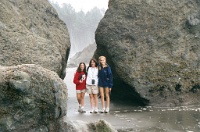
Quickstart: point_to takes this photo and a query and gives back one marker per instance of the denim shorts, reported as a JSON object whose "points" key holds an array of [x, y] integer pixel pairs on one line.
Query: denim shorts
{"points": [[103, 87]]}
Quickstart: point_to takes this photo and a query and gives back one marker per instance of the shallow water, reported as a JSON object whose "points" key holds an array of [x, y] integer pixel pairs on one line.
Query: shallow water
{"points": [[133, 118]]}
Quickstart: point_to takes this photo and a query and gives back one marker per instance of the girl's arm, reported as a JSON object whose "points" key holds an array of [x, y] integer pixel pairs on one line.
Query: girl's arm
{"points": [[76, 81], [110, 76]]}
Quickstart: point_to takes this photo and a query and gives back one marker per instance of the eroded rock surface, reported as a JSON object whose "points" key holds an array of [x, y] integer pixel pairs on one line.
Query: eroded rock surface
{"points": [[98, 126], [83, 56], [32, 33], [153, 47], [31, 99]]}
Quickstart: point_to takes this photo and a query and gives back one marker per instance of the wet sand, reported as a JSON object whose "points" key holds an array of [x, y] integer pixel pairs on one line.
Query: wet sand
{"points": [[125, 117]]}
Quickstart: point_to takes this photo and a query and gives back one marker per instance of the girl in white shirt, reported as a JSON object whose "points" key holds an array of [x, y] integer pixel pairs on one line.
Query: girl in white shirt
{"points": [[92, 85]]}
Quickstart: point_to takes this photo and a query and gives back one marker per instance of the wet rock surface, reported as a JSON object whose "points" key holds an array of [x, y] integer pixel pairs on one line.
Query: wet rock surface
{"points": [[32, 33], [31, 99], [153, 49], [98, 126]]}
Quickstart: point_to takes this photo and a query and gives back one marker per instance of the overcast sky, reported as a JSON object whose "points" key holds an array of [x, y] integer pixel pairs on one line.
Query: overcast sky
{"points": [[85, 5]]}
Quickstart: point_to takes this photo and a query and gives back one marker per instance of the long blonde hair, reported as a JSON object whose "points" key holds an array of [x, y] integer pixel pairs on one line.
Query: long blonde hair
{"points": [[101, 57]]}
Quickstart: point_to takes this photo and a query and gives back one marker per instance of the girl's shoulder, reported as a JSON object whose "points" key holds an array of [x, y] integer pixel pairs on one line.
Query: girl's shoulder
{"points": [[107, 65], [108, 68], [95, 68], [75, 73], [78, 72]]}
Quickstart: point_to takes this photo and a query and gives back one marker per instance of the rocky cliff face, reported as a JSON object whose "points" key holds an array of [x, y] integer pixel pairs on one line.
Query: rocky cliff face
{"points": [[153, 47], [32, 33], [83, 56], [31, 99]]}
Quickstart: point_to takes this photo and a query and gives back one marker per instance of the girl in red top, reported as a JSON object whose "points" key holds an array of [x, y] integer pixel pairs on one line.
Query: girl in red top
{"points": [[80, 81]]}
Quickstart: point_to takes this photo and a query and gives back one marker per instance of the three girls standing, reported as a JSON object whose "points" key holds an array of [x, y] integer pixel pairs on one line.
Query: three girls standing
{"points": [[97, 76]]}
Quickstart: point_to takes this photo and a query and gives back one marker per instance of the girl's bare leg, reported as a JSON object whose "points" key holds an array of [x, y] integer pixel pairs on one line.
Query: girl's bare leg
{"points": [[95, 100], [92, 101], [102, 97], [82, 99], [107, 97], [78, 96]]}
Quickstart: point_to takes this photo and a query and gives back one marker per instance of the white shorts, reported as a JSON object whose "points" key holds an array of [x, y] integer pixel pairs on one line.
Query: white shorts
{"points": [[92, 89], [81, 91]]}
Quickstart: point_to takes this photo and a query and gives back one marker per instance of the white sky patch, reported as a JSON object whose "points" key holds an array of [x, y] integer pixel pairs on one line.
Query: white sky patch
{"points": [[85, 5]]}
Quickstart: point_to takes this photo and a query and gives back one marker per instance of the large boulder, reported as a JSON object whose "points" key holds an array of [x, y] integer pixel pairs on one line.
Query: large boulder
{"points": [[32, 33], [153, 47], [31, 99]]}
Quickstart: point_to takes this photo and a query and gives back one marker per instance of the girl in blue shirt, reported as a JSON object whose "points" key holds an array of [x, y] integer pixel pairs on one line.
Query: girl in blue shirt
{"points": [[105, 83]]}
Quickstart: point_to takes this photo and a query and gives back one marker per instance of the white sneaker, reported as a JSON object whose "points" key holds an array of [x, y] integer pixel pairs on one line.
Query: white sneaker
{"points": [[79, 108], [102, 111], [82, 110], [107, 110], [96, 110], [92, 110]]}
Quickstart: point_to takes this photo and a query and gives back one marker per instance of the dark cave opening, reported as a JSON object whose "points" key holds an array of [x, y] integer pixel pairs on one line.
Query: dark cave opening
{"points": [[121, 92]]}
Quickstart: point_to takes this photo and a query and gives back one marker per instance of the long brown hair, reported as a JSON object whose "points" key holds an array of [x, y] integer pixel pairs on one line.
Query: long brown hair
{"points": [[96, 64], [79, 68]]}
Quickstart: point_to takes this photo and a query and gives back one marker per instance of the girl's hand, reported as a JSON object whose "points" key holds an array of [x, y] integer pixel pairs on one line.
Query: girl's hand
{"points": [[110, 89], [81, 81]]}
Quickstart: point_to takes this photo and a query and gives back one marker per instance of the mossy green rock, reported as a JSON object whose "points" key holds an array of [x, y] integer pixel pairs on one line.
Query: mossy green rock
{"points": [[153, 47], [31, 99]]}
